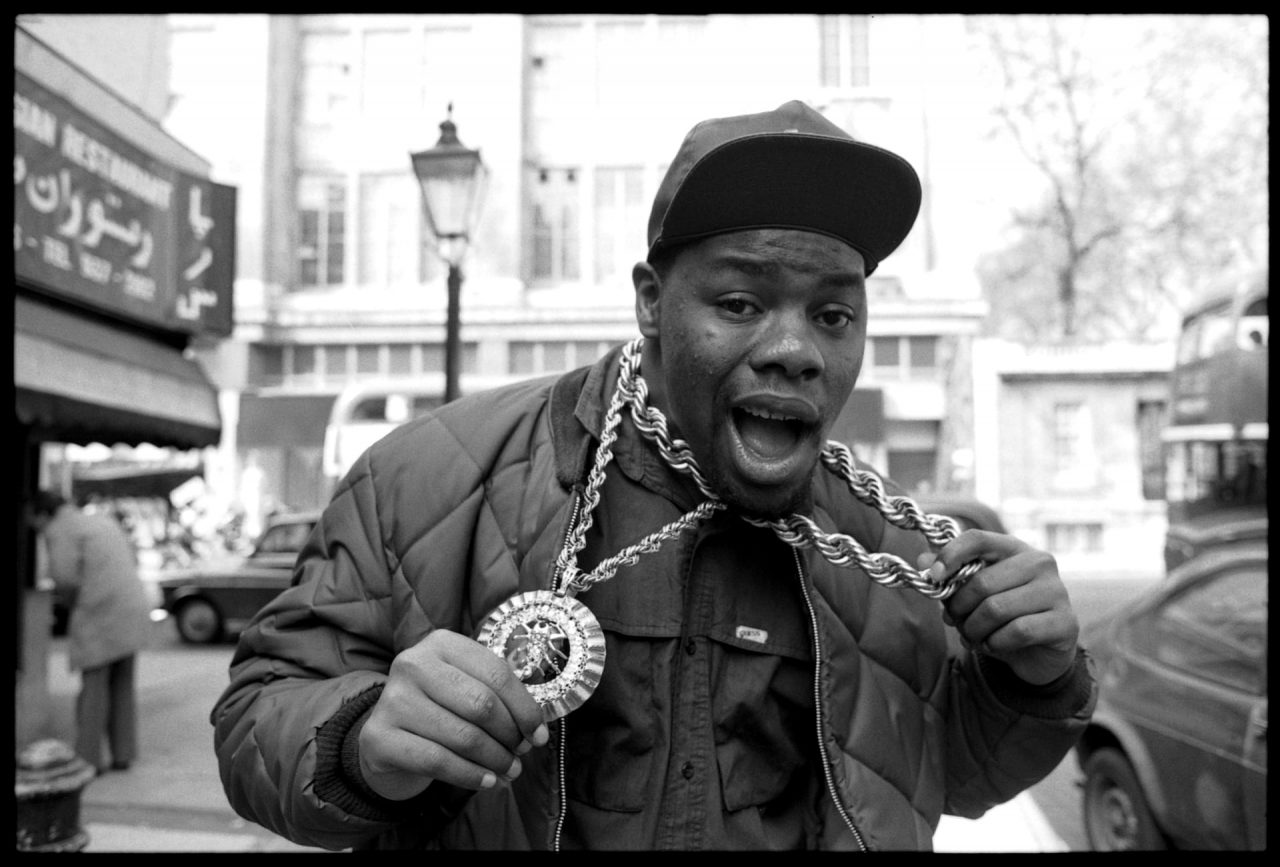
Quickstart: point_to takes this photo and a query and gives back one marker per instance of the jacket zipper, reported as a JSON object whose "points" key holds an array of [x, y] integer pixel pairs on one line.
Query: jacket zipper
{"points": [[564, 796], [817, 707]]}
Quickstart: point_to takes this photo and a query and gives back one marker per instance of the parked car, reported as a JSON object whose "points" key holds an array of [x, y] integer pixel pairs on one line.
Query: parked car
{"points": [[1176, 753], [213, 601]]}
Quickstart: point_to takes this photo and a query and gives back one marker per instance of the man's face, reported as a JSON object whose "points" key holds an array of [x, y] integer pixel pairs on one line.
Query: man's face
{"points": [[753, 344]]}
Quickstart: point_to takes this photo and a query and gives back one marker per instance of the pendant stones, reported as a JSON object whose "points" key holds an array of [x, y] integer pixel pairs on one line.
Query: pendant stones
{"points": [[554, 644]]}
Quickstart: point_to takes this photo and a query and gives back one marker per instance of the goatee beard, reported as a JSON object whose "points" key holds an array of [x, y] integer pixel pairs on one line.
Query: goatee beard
{"points": [[768, 505]]}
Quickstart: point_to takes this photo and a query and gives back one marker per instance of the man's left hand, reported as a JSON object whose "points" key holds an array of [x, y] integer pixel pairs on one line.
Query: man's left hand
{"points": [[1015, 609]]}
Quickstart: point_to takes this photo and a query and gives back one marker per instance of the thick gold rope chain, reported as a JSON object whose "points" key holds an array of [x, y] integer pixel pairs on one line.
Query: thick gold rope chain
{"points": [[796, 530]]}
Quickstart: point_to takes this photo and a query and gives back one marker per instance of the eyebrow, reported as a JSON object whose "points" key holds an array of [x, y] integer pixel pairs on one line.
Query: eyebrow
{"points": [[769, 268]]}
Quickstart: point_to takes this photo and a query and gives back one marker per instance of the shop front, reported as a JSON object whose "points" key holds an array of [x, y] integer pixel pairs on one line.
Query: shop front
{"points": [[123, 257]]}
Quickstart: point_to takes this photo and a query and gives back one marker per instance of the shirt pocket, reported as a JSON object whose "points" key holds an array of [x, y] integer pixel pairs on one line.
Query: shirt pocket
{"points": [[762, 720], [619, 735]]}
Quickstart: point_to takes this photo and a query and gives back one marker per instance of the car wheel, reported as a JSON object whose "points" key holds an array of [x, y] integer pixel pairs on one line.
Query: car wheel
{"points": [[1117, 817], [199, 622]]}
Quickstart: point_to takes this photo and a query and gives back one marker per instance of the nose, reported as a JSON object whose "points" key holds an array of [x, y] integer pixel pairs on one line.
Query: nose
{"points": [[787, 345]]}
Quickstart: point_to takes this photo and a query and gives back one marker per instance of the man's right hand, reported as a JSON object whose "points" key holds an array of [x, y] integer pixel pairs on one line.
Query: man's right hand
{"points": [[451, 710]]}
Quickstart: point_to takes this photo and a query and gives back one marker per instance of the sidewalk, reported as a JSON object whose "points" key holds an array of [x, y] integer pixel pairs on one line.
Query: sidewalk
{"points": [[171, 800]]}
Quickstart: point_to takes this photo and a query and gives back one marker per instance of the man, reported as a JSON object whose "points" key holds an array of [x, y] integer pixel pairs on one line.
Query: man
{"points": [[639, 605], [94, 570]]}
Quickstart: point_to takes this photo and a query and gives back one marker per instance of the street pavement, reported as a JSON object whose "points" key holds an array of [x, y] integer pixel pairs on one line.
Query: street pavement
{"points": [[171, 799]]}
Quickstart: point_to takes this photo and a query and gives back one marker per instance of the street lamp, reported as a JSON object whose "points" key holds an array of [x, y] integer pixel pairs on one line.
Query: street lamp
{"points": [[452, 179]]}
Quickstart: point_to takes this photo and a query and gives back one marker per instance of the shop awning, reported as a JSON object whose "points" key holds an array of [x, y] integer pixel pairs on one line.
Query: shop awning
{"points": [[81, 381], [125, 481]]}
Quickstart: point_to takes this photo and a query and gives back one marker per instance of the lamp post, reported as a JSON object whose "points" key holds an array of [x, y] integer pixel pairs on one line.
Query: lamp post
{"points": [[452, 179]]}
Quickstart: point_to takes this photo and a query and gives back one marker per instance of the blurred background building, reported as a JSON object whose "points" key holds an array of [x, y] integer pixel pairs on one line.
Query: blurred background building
{"points": [[575, 116], [340, 293]]}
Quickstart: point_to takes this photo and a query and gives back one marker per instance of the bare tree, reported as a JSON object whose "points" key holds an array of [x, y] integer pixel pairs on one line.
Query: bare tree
{"points": [[1152, 185]]}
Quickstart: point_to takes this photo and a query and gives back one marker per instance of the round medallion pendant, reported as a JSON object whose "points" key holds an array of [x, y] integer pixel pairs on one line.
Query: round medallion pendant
{"points": [[554, 644]]}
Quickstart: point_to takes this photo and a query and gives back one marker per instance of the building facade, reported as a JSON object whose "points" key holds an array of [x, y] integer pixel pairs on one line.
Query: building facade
{"points": [[576, 117], [1068, 442]]}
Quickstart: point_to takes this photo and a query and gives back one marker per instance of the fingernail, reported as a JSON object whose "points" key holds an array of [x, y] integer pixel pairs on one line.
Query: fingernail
{"points": [[524, 747], [541, 736], [513, 771], [488, 781], [936, 570]]}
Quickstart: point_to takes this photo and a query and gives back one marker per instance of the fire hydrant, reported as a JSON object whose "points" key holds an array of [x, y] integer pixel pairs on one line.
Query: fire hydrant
{"points": [[49, 780]]}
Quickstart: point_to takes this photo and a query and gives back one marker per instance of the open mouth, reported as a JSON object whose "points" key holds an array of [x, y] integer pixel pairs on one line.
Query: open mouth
{"points": [[769, 435]]}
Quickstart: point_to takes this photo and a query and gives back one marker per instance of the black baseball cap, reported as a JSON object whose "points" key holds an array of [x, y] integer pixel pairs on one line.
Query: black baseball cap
{"points": [[790, 168]]}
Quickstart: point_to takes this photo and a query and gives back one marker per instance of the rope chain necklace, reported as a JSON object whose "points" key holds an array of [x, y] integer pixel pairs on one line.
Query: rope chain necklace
{"points": [[553, 642]]}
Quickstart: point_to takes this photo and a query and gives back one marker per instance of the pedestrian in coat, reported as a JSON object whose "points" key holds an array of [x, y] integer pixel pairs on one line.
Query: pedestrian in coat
{"points": [[94, 570], [646, 604]]}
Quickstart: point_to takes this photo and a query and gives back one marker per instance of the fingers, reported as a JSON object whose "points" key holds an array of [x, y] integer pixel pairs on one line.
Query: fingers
{"points": [[1000, 602], [468, 679], [1015, 608], [451, 710]]}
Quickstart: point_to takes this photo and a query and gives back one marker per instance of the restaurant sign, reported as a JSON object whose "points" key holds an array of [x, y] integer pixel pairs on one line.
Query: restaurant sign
{"points": [[98, 220]]}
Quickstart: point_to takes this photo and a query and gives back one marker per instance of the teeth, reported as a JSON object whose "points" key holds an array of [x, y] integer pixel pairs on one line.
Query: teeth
{"points": [[764, 413]]}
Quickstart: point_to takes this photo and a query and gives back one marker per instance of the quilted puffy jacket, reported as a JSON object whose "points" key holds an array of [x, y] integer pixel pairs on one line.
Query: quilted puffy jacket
{"points": [[450, 515]]}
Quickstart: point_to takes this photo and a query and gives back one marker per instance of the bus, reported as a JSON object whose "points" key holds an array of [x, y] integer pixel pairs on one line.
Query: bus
{"points": [[1215, 445], [365, 412]]}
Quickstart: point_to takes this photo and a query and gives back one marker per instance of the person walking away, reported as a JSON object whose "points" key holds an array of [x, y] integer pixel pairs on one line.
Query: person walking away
{"points": [[94, 570]]}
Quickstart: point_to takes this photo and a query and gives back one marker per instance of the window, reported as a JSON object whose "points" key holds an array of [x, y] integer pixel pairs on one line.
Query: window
{"points": [[1074, 538], [391, 76], [266, 364], [304, 361], [367, 358], [1151, 421], [843, 55], [904, 357], [195, 64], [322, 232], [399, 359], [1070, 437], [620, 222], [447, 54], [285, 539], [391, 249], [432, 357], [913, 469], [335, 361], [1216, 629], [326, 76], [584, 221], [555, 224], [1205, 334], [1254, 330], [531, 358], [1205, 475], [923, 354], [884, 353]]}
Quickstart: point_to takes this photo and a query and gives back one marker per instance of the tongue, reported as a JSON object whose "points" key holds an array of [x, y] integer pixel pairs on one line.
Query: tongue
{"points": [[766, 437]]}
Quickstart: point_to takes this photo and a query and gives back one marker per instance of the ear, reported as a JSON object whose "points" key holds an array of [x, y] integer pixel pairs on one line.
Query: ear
{"points": [[648, 294]]}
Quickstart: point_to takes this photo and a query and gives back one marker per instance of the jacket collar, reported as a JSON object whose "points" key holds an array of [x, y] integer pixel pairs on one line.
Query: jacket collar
{"points": [[579, 401]]}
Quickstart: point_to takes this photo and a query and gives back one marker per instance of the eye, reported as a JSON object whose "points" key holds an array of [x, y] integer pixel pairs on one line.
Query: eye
{"points": [[736, 305], [835, 317]]}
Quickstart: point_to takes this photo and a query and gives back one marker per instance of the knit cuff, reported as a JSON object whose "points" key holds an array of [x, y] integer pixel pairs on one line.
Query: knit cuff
{"points": [[1060, 698], [338, 779]]}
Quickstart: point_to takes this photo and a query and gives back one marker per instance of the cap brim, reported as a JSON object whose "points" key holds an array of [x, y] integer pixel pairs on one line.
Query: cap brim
{"points": [[858, 193]]}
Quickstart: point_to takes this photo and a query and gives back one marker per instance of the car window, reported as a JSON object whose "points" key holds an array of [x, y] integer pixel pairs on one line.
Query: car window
{"points": [[1215, 629], [284, 538]]}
